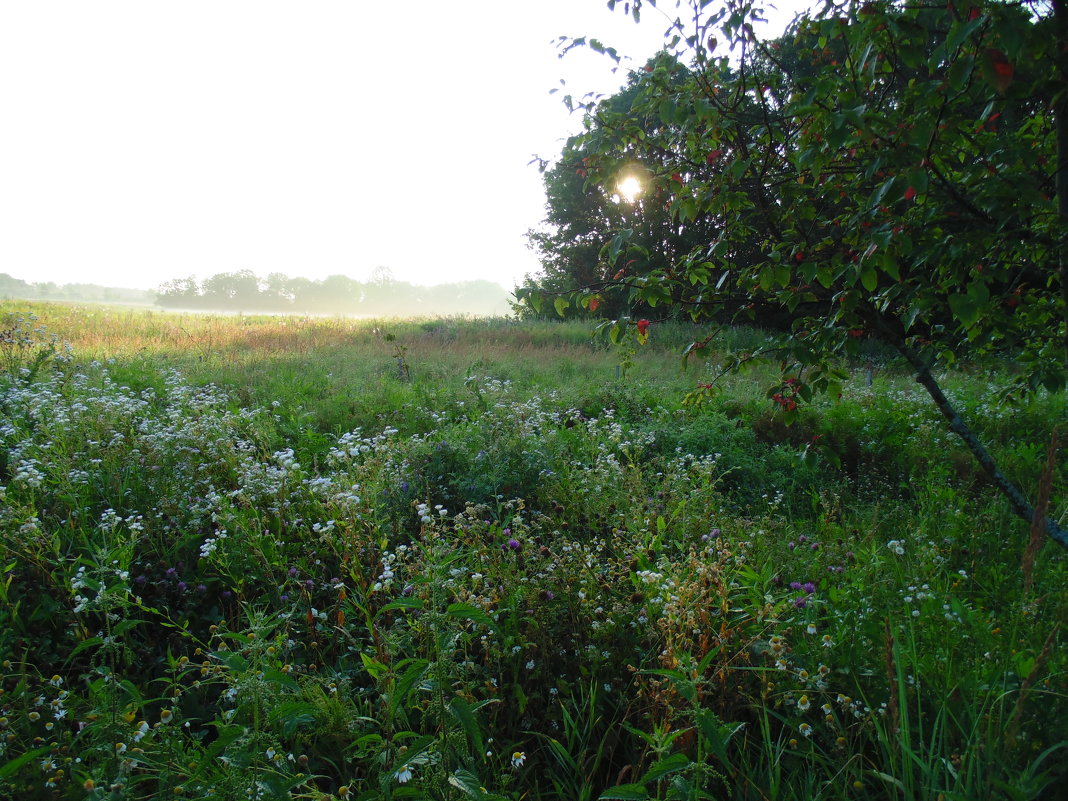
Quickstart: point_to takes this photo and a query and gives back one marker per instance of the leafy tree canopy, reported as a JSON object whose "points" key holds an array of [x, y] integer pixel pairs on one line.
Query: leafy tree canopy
{"points": [[884, 170]]}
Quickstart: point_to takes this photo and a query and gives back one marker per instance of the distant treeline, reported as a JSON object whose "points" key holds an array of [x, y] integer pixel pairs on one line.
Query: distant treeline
{"points": [[15, 288], [382, 296]]}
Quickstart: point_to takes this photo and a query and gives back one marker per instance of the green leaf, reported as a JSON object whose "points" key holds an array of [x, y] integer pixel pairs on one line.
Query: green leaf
{"points": [[417, 668], [625, 792], [561, 304], [965, 309], [668, 109], [463, 611], [869, 278], [461, 710], [292, 715], [402, 603], [373, 666], [664, 767], [468, 782], [9, 767]]}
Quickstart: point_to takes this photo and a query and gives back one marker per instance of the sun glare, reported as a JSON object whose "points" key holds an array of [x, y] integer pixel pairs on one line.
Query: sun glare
{"points": [[629, 188]]}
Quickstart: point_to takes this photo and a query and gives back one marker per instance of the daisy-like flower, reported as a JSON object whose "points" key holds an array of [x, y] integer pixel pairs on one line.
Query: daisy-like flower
{"points": [[404, 774], [803, 703], [805, 729], [827, 641], [518, 758], [165, 716], [811, 628]]}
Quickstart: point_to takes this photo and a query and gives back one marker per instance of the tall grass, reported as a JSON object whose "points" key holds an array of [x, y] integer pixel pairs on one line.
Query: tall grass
{"points": [[253, 557]]}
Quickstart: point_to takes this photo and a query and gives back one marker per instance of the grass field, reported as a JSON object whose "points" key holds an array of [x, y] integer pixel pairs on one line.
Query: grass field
{"points": [[251, 557]]}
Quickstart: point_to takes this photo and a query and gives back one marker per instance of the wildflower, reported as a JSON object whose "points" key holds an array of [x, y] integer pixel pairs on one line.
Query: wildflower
{"points": [[827, 641], [897, 546], [805, 729], [518, 758], [810, 628], [404, 774], [803, 704], [165, 716], [343, 791]]}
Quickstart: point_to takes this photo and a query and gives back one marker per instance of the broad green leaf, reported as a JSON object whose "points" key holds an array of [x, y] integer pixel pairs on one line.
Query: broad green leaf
{"points": [[664, 767], [463, 611], [869, 278], [965, 309], [415, 671], [9, 767], [625, 792], [461, 710]]}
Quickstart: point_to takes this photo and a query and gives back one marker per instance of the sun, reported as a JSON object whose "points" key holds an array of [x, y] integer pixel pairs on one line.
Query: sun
{"points": [[629, 188]]}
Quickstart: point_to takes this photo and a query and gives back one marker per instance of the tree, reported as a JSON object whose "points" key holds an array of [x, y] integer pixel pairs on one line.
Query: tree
{"points": [[582, 216], [236, 290], [180, 293], [886, 171]]}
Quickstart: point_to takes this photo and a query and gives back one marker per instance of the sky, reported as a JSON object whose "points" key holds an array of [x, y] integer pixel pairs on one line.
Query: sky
{"points": [[146, 140]]}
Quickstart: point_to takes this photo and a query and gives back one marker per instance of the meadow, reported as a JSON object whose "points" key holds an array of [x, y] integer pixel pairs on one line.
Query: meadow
{"points": [[280, 557]]}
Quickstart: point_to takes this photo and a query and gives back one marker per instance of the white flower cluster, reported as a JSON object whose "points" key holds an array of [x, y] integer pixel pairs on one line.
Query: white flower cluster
{"points": [[211, 543], [423, 510]]}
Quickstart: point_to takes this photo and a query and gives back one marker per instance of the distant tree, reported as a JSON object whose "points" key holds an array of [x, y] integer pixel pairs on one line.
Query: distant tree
{"points": [[236, 290], [179, 293], [277, 292], [11, 287]]}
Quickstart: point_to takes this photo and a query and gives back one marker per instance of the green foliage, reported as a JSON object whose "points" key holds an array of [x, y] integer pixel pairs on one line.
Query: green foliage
{"points": [[883, 173], [224, 598]]}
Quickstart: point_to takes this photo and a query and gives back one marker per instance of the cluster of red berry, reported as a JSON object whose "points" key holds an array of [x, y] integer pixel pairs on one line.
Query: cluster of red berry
{"points": [[786, 398]]}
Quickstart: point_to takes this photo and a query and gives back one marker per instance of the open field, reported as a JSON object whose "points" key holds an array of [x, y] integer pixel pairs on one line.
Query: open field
{"points": [[275, 557]]}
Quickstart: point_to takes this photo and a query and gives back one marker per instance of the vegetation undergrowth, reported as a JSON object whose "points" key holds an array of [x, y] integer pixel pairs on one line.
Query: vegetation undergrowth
{"points": [[298, 558]]}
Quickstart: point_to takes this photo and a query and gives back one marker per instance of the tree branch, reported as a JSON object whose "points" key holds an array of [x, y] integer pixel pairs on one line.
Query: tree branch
{"points": [[1020, 507]]}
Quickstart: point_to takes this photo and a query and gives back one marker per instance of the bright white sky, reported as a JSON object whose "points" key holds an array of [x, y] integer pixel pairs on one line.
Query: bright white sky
{"points": [[146, 140]]}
